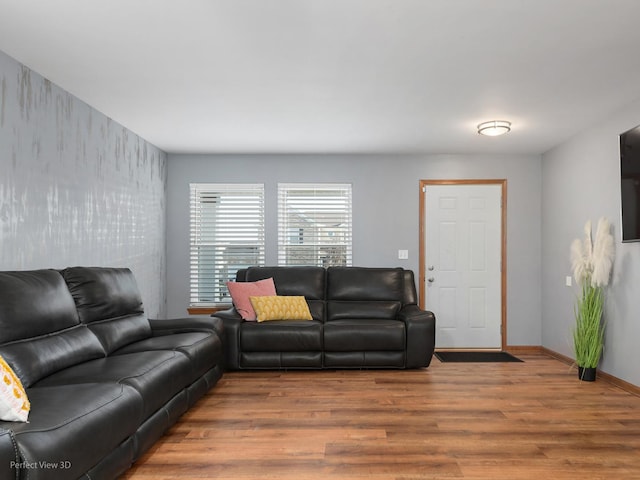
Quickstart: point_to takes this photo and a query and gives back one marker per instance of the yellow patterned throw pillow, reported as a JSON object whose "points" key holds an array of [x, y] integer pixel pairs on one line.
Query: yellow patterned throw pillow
{"points": [[281, 307], [14, 404]]}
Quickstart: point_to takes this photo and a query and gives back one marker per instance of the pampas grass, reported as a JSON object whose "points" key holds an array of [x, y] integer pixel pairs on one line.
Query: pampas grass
{"points": [[580, 263], [603, 253], [591, 263]]}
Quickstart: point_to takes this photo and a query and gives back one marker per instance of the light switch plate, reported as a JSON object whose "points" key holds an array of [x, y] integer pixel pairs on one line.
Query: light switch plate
{"points": [[403, 254], [567, 281]]}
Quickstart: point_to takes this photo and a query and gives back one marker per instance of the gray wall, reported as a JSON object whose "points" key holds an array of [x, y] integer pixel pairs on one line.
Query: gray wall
{"points": [[385, 212], [581, 181], [76, 188]]}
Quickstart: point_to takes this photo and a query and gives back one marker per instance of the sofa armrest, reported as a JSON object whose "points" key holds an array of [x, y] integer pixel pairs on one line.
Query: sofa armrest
{"points": [[230, 313], [232, 321], [188, 324], [421, 335]]}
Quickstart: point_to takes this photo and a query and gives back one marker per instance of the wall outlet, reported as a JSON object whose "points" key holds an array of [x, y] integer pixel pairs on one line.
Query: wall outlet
{"points": [[567, 281], [403, 254]]}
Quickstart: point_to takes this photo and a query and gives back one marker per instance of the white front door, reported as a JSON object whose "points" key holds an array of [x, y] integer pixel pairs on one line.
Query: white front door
{"points": [[463, 252]]}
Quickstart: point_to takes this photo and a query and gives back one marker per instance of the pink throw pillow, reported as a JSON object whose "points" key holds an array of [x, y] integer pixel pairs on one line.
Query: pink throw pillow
{"points": [[241, 291]]}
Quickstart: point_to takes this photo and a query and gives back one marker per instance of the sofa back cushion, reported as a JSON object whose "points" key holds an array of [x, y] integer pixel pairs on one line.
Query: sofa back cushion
{"points": [[364, 293], [109, 303], [308, 282], [40, 332]]}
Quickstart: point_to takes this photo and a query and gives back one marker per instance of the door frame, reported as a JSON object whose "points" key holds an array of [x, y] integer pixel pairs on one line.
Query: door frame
{"points": [[503, 244]]}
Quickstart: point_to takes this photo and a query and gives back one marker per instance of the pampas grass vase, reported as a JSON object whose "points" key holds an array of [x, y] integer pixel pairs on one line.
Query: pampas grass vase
{"points": [[591, 262]]}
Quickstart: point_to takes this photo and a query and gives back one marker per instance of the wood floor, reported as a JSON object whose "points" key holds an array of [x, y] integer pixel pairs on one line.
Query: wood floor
{"points": [[489, 421]]}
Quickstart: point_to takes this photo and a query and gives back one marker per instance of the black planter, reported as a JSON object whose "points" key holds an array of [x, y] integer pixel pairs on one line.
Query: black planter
{"points": [[587, 374]]}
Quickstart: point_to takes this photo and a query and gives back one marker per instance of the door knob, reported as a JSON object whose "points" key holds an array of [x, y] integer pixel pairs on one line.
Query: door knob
{"points": [[430, 279], [430, 268]]}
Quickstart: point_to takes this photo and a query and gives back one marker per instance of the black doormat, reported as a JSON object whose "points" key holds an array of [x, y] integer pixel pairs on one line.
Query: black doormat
{"points": [[476, 357]]}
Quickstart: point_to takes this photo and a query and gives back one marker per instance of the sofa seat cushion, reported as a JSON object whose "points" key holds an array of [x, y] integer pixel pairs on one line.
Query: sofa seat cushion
{"points": [[156, 375], [72, 427], [364, 335], [203, 349], [281, 336]]}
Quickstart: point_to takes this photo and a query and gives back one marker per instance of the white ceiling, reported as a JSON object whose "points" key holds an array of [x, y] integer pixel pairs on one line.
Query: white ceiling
{"points": [[327, 76]]}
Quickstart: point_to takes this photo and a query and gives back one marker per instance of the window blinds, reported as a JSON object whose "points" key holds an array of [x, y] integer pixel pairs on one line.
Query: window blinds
{"points": [[227, 234], [314, 224]]}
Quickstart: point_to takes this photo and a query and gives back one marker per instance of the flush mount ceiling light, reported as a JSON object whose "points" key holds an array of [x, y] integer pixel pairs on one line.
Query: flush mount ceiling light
{"points": [[494, 128]]}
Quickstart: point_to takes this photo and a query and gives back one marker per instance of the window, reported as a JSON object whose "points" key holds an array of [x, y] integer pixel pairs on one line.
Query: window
{"points": [[227, 234], [314, 224]]}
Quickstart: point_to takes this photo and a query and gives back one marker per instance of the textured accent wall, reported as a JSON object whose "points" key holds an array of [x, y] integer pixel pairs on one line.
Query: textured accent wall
{"points": [[77, 188]]}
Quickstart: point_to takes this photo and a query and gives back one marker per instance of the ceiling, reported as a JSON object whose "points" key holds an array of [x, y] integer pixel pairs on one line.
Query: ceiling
{"points": [[336, 76]]}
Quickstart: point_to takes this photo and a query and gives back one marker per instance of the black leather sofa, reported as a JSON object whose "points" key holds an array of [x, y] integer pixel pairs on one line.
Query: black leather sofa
{"points": [[362, 318], [104, 381]]}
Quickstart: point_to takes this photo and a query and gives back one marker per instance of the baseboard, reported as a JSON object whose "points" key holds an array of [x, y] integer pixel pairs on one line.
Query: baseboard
{"points": [[524, 349], [536, 349], [558, 356]]}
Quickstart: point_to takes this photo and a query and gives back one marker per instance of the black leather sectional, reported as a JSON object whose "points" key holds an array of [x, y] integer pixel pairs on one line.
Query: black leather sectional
{"points": [[362, 318], [104, 381]]}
